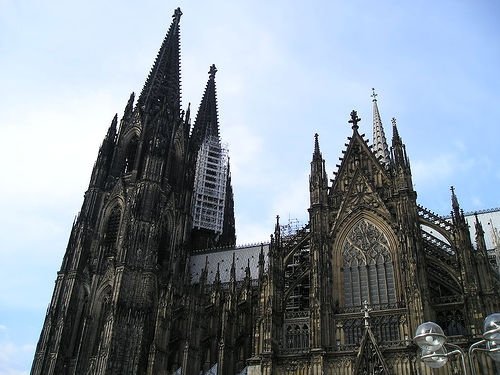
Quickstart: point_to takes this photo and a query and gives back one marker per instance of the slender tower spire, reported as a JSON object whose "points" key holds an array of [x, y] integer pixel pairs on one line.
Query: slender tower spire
{"points": [[207, 119], [213, 206], [163, 85], [318, 179], [379, 141]]}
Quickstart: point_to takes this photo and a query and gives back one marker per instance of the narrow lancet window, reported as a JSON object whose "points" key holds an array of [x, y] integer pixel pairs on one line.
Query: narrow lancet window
{"points": [[130, 154], [112, 228]]}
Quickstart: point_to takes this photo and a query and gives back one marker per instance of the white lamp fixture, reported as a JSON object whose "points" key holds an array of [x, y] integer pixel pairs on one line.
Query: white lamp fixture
{"points": [[431, 340], [429, 337], [435, 359], [493, 350], [492, 328]]}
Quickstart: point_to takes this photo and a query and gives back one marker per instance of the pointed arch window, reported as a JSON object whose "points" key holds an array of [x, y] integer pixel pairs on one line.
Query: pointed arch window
{"points": [[112, 228], [102, 316], [368, 266], [130, 154]]}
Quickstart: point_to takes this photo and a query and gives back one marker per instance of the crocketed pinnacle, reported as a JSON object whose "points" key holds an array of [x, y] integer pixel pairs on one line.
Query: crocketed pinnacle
{"points": [[317, 152], [163, 83], [207, 120], [454, 200], [379, 141]]}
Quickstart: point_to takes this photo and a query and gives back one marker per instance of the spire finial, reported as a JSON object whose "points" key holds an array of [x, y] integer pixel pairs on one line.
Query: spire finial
{"points": [[212, 71], [354, 120], [177, 14], [373, 95]]}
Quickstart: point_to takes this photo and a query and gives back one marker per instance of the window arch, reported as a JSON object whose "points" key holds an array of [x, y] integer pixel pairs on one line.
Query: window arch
{"points": [[111, 229], [297, 336], [130, 154], [368, 266], [102, 316]]}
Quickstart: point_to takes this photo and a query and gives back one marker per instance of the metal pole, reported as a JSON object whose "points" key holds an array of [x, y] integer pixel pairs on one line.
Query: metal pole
{"points": [[472, 348]]}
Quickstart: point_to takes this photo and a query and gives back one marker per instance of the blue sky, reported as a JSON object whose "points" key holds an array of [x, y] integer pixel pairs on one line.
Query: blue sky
{"points": [[287, 69]]}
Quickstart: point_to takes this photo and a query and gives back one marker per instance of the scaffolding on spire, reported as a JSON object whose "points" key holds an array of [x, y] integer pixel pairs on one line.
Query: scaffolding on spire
{"points": [[210, 185]]}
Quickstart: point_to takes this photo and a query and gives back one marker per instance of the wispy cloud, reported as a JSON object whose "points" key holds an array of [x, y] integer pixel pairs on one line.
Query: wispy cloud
{"points": [[13, 355]]}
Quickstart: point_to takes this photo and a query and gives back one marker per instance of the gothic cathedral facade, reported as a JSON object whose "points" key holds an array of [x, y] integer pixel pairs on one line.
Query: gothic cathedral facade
{"points": [[152, 281]]}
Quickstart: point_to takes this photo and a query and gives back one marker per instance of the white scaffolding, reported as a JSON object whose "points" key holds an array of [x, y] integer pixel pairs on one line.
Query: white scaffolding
{"points": [[210, 185]]}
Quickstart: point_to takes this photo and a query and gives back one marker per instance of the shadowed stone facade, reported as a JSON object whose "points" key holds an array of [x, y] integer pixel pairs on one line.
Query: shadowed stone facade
{"points": [[141, 290]]}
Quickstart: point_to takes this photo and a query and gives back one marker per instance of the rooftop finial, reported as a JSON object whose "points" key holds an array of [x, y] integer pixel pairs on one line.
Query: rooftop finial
{"points": [[373, 95], [354, 120], [177, 14], [212, 71]]}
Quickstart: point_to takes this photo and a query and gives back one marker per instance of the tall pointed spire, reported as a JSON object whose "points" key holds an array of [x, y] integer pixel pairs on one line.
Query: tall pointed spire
{"points": [[317, 152], [212, 189], [318, 179], [379, 141], [163, 85], [454, 204], [398, 148], [207, 119]]}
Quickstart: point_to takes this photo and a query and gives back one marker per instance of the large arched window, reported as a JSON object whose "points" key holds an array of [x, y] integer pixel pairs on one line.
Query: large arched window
{"points": [[368, 267]]}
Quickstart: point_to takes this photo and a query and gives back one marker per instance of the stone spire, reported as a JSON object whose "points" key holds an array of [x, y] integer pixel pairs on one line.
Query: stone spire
{"points": [[381, 149], [163, 85], [207, 119]]}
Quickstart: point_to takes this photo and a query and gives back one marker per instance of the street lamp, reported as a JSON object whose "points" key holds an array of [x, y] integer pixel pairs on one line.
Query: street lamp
{"points": [[431, 339]]}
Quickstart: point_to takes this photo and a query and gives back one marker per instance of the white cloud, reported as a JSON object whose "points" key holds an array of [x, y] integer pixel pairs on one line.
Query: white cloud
{"points": [[441, 167], [13, 355]]}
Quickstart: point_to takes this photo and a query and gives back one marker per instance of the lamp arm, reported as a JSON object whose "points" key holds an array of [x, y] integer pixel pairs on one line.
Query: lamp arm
{"points": [[458, 350], [472, 349]]}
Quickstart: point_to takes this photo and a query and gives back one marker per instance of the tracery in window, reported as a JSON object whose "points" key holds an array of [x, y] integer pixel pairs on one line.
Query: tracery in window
{"points": [[111, 231], [297, 336], [368, 267]]}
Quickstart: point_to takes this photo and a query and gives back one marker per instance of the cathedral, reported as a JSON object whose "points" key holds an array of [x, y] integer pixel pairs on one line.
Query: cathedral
{"points": [[152, 281]]}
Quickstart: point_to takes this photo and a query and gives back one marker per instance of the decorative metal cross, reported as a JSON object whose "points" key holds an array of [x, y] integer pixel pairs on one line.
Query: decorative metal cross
{"points": [[354, 119], [366, 310], [373, 95]]}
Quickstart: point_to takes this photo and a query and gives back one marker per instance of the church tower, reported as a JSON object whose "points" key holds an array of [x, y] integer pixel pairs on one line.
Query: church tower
{"points": [[152, 283], [126, 264]]}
